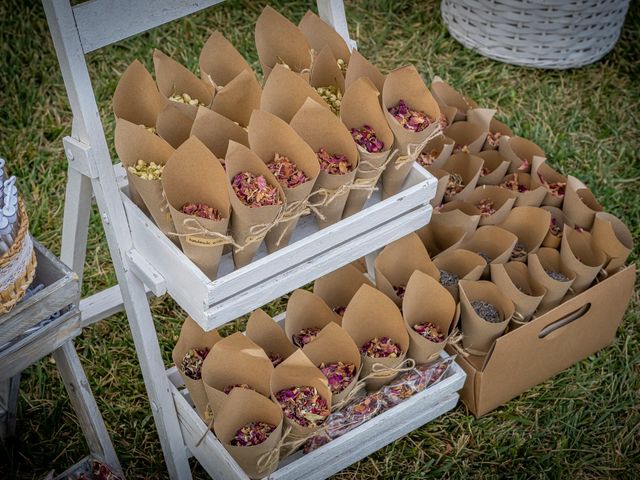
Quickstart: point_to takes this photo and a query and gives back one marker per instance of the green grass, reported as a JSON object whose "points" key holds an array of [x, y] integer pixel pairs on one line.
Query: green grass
{"points": [[584, 423]]}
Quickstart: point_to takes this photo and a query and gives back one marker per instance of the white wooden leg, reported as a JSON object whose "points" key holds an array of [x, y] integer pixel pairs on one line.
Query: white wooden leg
{"points": [[9, 390], [332, 12]]}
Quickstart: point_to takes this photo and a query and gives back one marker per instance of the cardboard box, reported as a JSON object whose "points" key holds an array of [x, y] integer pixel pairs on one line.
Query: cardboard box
{"points": [[546, 345]]}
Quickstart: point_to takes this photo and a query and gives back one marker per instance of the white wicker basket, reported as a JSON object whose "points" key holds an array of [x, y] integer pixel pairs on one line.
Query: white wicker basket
{"points": [[537, 33]]}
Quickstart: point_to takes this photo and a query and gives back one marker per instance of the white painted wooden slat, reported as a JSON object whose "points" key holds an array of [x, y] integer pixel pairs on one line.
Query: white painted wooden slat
{"points": [[332, 12]]}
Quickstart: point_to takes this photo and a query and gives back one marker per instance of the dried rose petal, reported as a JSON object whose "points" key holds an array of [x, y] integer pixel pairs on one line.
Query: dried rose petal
{"points": [[493, 138], [101, 471], [303, 405], [414, 120], [192, 362], [525, 166], [333, 164], [556, 189], [519, 251], [554, 228], [340, 375], [286, 172], [455, 185], [485, 171], [427, 159], [381, 348], [512, 183], [429, 331], [254, 190], [228, 388], [457, 148], [366, 138], [400, 289], [339, 310], [276, 358], [486, 207], [202, 210], [253, 433], [305, 336]]}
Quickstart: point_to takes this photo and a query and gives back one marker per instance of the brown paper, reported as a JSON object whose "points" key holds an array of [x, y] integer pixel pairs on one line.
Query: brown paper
{"points": [[580, 205], [512, 278], [549, 260], [266, 333], [443, 181], [361, 67], [468, 167], [447, 95], [503, 201], [532, 197], [338, 287], [307, 310], [551, 240], [322, 129], [441, 239], [333, 345], [215, 131], [220, 62], [326, 72], [238, 98], [427, 301], [493, 241], [280, 41], [249, 225], [540, 170], [137, 98], [467, 136], [496, 126], [465, 264], [481, 117], [520, 152], [192, 336], [406, 84], [613, 237], [194, 175], [174, 125], [581, 255], [457, 214], [244, 406], [269, 135], [478, 334], [440, 149], [496, 165], [372, 314], [397, 262], [530, 225], [320, 34], [235, 360]]}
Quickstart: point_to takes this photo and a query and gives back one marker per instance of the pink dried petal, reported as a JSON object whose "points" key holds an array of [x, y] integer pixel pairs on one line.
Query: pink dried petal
{"points": [[381, 348], [254, 190], [339, 310], [429, 331], [228, 388], [512, 183], [253, 433], [286, 172], [333, 164], [339, 375], [192, 362], [486, 207], [426, 159], [202, 210], [303, 405], [400, 289], [414, 120], [366, 138], [276, 358], [305, 336]]}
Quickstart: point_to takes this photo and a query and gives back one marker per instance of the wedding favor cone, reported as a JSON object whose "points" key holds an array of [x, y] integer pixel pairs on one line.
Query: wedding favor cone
{"points": [[494, 168], [478, 334], [497, 130], [406, 84], [530, 225], [447, 95], [238, 98], [613, 237], [240, 408], [441, 239], [436, 152], [397, 261], [137, 98], [338, 287], [468, 168], [215, 131], [580, 254], [520, 152], [527, 194], [500, 199], [306, 310], [437, 307], [513, 280], [468, 137], [493, 243], [371, 314], [580, 205], [361, 108], [270, 136], [174, 124], [556, 226], [249, 225], [457, 214], [262, 329], [220, 62], [464, 264], [361, 67], [543, 175], [322, 129], [194, 337], [326, 72], [543, 262], [441, 188], [481, 117], [319, 34]]}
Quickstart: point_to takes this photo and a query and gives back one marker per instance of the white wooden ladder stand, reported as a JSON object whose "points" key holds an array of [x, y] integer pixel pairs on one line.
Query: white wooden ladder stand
{"points": [[161, 267]]}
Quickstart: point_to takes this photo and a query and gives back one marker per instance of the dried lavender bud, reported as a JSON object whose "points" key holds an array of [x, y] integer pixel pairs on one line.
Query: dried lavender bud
{"points": [[228, 388], [381, 348], [414, 120], [512, 183], [201, 210], [487, 258], [305, 336], [186, 98], [333, 164], [455, 185], [400, 290], [559, 277], [519, 251], [448, 279], [276, 358], [333, 96], [340, 375], [253, 433], [192, 362], [254, 190], [429, 331], [146, 171], [286, 172], [486, 311], [554, 228], [486, 207], [426, 159], [303, 405], [339, 310], [366, 138]]}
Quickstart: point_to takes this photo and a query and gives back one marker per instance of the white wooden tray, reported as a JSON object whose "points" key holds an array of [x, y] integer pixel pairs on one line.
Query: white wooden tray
{"points": [[311, 254]]}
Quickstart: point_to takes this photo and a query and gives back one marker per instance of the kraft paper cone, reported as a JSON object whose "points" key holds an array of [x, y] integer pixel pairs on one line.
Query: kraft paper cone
{"points": [[551, 240], [443, 181], [494, 168], [137, 98], [338, 287], [478, 335], [322, 129], [447, 95], [530, 225], [269, 135], [481, 117], [520, 152], [541, 174], [320, 34], [215, 131], [371, 314], [406, 84], [361, 67], [192, 336], [397, 262], [549, 260], [532, 196], [307, 310], [326, 72], [581, 255], [285, 93], [238, 98], [463, 263], [280, 41], [457, 214], [235, 360], [241, 407], [172, 77], [497, 130], [427, 301], [441, 239], [249, 225], [194, 175], [468, 167], [134, 143], [580, 205], [220, 62], [266, 333], [333, 345], [513, 280], [468, 137], [495, 242], [613, 237], [299, 371], [174, 125], [360, 107], [503, 201], [436, 152]]}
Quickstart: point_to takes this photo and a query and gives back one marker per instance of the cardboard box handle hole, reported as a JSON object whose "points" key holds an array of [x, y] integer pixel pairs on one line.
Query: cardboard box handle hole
{"points": [[567, 319]]}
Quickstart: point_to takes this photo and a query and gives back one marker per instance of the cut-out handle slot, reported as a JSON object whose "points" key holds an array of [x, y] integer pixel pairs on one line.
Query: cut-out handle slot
{"points": [[567, 319]]}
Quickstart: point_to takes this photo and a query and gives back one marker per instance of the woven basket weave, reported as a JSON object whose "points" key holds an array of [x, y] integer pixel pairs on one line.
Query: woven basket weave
{"points": [[22, 274], [537, 33]]}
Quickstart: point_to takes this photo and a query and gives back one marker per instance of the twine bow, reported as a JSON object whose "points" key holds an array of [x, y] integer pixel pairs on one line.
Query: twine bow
{"points": [[455, 340], [413, 149]]}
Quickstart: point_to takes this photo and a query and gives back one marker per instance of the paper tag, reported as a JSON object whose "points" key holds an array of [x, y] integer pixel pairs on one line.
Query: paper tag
{"points": [[203, 241]]}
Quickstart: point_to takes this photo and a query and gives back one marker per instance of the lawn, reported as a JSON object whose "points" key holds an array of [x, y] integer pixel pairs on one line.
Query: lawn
{"points": [[584, 423]]}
